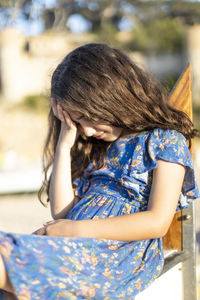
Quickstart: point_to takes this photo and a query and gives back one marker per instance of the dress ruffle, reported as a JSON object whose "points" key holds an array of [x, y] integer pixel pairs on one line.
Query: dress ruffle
{"points": [[171, 146], [137, 156]]}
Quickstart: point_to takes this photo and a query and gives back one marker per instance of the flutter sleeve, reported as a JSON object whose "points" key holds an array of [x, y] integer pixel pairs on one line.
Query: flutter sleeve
{"points": [[171, 146]]}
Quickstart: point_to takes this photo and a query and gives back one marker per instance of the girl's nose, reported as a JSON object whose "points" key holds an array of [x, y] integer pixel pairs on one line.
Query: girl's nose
{"points": [[88, 130]]}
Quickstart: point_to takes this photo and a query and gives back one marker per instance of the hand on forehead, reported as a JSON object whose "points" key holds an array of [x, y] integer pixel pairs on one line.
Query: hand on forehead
{"points": [[75, 116]]}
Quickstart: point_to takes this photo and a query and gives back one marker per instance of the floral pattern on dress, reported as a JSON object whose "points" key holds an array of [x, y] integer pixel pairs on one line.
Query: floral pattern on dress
{"points": [[43, 267]]}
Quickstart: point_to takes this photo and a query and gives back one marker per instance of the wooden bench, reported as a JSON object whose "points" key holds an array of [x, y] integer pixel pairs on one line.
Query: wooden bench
{"points": [[179, 242], [181, 235]]}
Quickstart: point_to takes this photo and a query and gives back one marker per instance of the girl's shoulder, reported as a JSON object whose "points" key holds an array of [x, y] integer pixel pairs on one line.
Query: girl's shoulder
{"points": [[147, 147], [157, 134], [158, 139], [167, 136], [144, 149]]}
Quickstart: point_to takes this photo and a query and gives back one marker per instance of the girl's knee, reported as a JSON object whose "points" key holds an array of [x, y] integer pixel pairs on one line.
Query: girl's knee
{"points": [[4, 280], [3, 273]]}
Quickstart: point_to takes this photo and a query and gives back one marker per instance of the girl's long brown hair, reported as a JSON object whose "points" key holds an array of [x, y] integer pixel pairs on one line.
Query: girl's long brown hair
{"points": [[103, 84]]}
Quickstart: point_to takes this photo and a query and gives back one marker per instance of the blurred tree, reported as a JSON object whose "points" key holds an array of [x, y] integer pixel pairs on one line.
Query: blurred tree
{"points": [[158, 35], [96, 11], [156, 25], [10, 10]]}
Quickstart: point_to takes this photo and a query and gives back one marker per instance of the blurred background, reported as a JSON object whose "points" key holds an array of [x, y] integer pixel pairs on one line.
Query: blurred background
{"points": [[162, 36]]}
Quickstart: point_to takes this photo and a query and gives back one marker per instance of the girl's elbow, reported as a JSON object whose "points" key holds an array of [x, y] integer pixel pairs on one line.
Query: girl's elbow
{"points": [[162, 230], [160, 225], [60, 214], [161, 233], [55, 215]]}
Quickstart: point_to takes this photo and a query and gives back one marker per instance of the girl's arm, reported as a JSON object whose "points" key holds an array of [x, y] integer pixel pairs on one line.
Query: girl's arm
{"points": [[61, 192], [153, 223]]}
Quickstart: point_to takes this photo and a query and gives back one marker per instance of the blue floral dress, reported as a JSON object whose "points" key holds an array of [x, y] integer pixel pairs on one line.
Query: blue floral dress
{"points": [[42, 267]]}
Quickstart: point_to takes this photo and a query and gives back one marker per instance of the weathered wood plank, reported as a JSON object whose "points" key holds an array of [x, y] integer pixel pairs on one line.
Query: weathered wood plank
{"points": [[180, 98]]}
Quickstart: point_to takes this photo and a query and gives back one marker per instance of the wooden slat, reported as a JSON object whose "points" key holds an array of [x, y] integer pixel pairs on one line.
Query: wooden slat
{"points": [[181, 95], [180, 98]]}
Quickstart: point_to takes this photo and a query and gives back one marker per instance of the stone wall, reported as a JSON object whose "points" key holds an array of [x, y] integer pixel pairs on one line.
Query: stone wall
{"points": [[193, 45], [26, 63]]}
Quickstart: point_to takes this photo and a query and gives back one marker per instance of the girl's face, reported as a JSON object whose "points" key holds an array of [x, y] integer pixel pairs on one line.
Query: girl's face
{"points": [[99, 130]]}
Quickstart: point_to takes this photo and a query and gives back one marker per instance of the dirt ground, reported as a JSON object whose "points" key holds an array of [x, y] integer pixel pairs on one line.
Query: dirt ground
{"points": [[22, 213], [22, 136]]}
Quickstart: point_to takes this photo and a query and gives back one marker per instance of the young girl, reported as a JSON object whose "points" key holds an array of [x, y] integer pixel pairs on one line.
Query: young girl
{"points": [[121, 167]]}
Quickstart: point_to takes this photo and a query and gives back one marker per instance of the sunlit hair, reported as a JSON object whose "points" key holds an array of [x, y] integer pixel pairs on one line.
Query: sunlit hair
{"points": [[104, 85]]}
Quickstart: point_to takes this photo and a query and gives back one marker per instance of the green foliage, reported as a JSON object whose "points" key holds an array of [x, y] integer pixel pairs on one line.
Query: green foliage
{"points": [[156, 25], [158, 35], [196, 116], [38, 103], [96, 11], [107, 34], [5, 3], [170, 80]]}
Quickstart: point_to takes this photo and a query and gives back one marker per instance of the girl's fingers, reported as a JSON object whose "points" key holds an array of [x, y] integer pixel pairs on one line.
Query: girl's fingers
{"points": [[61, 114], [40, 231], [68, 120], [54, 107], [49, 222]]}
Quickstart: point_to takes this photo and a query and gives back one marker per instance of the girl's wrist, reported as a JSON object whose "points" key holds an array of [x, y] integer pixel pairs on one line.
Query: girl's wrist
{"points": [[86, 228], [63, 149], [78, 229]]}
